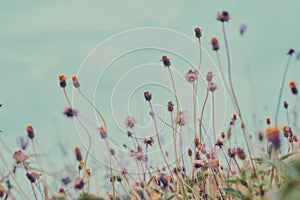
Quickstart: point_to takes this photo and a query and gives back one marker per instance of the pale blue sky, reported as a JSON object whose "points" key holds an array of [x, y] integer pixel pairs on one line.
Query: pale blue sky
{"points": [[39, 41]]}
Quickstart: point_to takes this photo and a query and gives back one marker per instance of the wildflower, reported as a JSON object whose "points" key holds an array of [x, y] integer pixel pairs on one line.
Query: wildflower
{"points": [[30, 177], [291, 52], [76, 83], [166, 61], [285, 105], [149, 141], [272, 134], [69, 112], [215, 43], [234, 117], [148, 96], [219, 143], [231, 152], [78, 154], [268, 120], [102, 132], [129, 134], [293, 87], [181, 118], [62, 191], [30, 131], [198, 32], [240, 153], [212, 86], [209, 76], [222, 134], [20, 156], [78, 183], [130, 121], [88, 171], [223, 16], [170, 106], [191, 76], [62, 81]]}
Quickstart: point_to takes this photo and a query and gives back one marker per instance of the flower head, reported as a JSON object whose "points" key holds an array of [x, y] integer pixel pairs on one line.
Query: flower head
{"points": [[181, 118], [209, 76], [78, 154], [215, 43], [170, 106], [102, 132], [291, 52], [166, 61], [78, 183], [212, 86], [223, 16], [70, 112], [148, 96], [198, 32], [240, 153], [272, 134], [20, 156], [293, 87], [268, 120], [30, 177], [130, 121], [191, 76], [62, 81], [76, 83], [30, 131]]}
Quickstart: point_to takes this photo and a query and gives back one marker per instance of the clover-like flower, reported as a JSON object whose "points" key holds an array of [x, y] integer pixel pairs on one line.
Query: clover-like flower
{"points": [[191, 76]]}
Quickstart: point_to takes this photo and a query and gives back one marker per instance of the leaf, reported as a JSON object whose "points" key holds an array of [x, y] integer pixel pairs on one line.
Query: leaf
{"points": [[150, 180], [235, 193], [286, 156]]}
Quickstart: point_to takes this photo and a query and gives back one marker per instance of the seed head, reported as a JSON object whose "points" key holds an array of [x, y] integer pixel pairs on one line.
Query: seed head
{"points": [[268, 120], [20, 156], [30, 177], [241, 153]]}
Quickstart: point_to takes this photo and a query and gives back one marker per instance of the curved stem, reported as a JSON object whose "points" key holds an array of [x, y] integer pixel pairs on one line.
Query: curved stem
{"points": [[213, 120], [281, 88], [201, 117]]}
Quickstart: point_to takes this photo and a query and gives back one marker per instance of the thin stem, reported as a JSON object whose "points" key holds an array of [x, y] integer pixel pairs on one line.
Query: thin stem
{"points": [[213, 120], [42, 170], [281, 88], [237, 164], [235, 99], [174, 140], [13, 176], [201, 117]]}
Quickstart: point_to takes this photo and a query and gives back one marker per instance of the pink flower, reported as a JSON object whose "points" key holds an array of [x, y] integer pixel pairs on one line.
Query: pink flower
{"points": [[20, 156], [191, 76], [130, 121], [181, 118]]}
